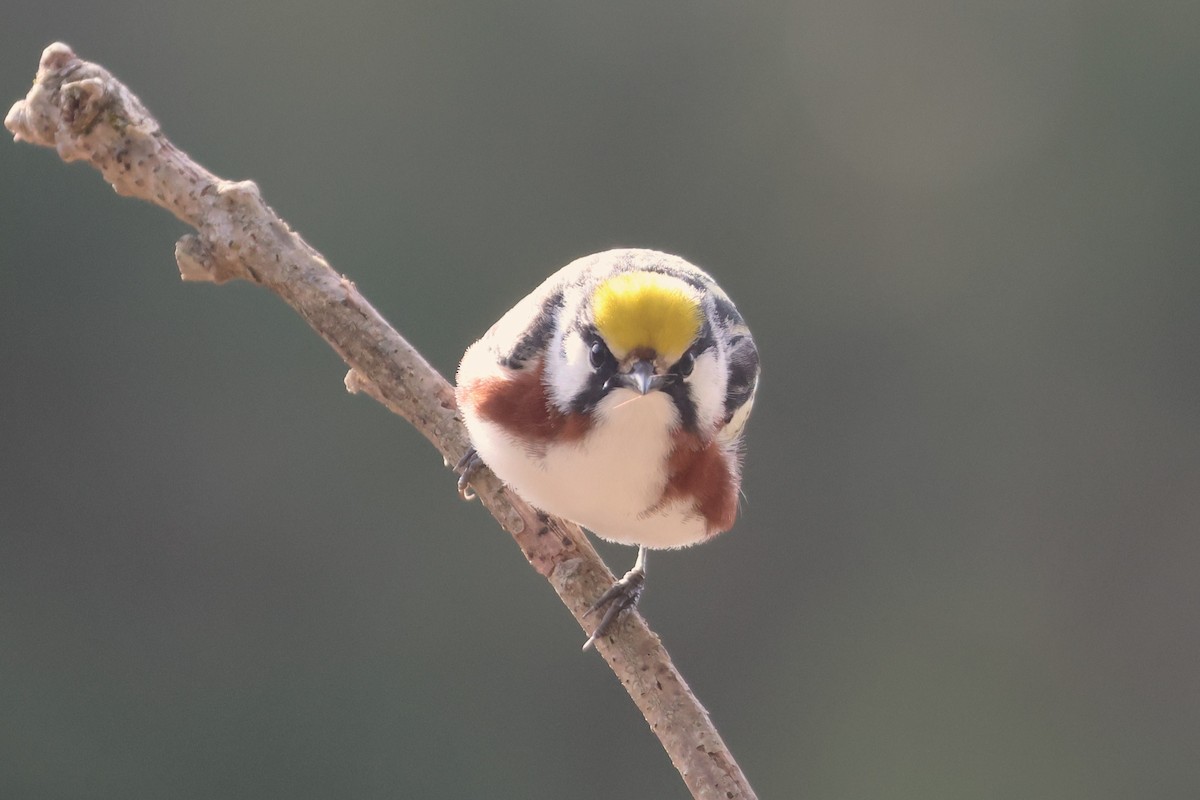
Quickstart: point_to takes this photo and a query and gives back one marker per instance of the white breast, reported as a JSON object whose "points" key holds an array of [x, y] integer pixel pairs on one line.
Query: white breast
{"points": [[611, 481]]}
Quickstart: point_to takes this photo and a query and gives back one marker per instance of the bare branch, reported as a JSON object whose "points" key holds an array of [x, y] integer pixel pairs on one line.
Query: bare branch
{"points": [[86, 114]]}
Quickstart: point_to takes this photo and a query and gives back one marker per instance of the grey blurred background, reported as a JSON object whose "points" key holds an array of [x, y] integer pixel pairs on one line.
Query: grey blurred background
{"points": [[965, 236]]}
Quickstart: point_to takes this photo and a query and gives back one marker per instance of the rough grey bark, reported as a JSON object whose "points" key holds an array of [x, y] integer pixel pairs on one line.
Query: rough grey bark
{"points": [[86, 114]]}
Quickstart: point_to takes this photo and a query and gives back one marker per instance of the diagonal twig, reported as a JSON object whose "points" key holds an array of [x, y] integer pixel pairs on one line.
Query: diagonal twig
{"points": [[86, 114]]}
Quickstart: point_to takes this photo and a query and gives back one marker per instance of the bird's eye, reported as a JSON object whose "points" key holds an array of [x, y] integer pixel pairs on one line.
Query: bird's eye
{"points": [[684, 366], [597, 354]]}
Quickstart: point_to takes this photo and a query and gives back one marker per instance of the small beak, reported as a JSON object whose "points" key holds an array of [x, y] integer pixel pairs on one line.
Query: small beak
{"points": [[640, 378], [641, 375]]}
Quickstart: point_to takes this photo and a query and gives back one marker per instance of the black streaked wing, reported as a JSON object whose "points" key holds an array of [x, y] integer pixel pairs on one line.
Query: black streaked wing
{"points": [[743, 376], [533, 341]]}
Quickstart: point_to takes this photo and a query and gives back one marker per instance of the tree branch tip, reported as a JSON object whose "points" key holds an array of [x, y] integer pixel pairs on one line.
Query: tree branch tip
{"points": [[56, 56], [18, 123], [14, 120]]}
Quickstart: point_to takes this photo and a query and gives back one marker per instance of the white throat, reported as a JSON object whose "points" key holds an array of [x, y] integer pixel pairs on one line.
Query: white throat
{"points": [[612, 480]]}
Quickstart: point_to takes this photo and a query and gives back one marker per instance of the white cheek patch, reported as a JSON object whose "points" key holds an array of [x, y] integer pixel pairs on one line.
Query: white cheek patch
{"points": [[707, 384], [569, 369]]}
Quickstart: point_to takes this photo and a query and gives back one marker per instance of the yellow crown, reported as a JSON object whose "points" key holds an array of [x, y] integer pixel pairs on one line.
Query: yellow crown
{"points": [[636, 310]]}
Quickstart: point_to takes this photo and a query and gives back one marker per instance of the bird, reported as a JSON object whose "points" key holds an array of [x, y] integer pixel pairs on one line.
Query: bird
{"points": [[616, 395]]}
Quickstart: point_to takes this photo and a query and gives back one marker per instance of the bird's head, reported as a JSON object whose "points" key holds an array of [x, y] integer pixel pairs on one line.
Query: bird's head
{"points": [[645, 332]]}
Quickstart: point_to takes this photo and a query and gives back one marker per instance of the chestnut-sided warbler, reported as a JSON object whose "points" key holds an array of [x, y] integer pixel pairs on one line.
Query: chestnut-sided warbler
{"points": [[615, 395]]}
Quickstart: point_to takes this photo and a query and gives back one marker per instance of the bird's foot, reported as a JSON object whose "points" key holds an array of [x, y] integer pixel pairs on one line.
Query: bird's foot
{"points": [[623, 594], [468, 468]]}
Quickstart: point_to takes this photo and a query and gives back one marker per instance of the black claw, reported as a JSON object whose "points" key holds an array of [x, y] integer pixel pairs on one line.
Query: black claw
{"points": [[468, 468], [623, 594]]}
